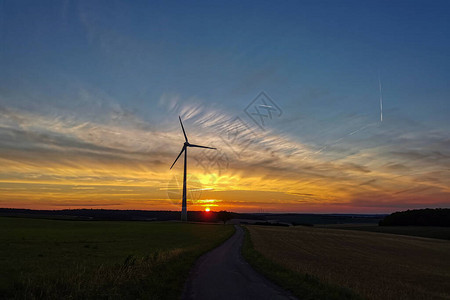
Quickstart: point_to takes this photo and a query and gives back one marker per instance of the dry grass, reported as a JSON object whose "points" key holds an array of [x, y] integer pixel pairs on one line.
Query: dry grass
{"points": [[374, 265]]}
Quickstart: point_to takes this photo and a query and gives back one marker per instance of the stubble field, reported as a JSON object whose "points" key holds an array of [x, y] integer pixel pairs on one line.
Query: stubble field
{"points": [[374, 265]]}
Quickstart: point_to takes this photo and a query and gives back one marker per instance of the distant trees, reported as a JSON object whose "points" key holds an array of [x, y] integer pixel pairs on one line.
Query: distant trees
{"points": [[418, 217], [224, 216]]}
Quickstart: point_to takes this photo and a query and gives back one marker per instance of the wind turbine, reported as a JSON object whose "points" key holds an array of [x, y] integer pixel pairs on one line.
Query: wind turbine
{"points": [[185, 146]]}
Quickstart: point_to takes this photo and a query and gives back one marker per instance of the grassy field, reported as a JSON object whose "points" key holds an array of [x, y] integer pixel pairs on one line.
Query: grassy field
{"points": [[374, 265], [423, 231], [93, 260]]}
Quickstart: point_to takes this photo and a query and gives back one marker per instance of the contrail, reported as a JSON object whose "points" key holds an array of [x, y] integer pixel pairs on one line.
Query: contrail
{"points": [[381, 98], [358, 130]]}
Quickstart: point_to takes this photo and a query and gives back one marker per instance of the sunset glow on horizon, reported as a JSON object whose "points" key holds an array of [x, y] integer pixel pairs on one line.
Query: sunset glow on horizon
{"points": [[89, 117]]}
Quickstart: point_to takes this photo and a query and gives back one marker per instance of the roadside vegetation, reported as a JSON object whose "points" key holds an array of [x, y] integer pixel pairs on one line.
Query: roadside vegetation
{"points": [[373, 265], [54, 259], [302, 285]]}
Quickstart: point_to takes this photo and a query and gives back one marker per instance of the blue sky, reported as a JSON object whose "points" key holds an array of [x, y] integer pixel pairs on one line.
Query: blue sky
{"points": [[135, 66]]}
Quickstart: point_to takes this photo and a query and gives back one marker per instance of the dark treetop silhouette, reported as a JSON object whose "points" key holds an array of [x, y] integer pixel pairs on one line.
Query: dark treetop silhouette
{"points": [[185, 146]]}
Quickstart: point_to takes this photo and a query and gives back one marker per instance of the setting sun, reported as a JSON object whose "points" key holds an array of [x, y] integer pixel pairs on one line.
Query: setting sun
{"points": [[207, 209]]}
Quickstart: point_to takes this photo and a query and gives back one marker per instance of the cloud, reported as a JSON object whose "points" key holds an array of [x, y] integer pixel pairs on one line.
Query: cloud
{"points": [[396, 167], [112, 146]]}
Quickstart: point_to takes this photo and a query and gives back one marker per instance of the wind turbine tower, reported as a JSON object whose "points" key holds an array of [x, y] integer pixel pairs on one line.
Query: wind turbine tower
{"points": [[184, 149]]}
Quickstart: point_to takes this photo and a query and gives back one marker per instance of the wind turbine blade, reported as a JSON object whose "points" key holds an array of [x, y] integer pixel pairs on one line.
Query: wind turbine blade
{"points": [[182, 127], [198, 146], [184, 148]]}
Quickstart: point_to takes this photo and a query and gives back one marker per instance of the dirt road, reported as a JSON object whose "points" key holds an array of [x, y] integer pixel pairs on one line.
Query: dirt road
{"points": [[224, 274]]}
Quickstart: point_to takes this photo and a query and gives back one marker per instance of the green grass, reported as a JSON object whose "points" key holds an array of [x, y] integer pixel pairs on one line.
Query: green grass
{"points": [[56, 259], [434, 232], [303, 286]]}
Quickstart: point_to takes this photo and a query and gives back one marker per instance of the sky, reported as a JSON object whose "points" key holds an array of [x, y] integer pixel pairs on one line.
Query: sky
{"points": [[313, 106]]}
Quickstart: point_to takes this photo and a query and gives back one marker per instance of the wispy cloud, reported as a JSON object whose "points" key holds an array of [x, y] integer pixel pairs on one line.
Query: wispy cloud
{"points": [[119, 148]]}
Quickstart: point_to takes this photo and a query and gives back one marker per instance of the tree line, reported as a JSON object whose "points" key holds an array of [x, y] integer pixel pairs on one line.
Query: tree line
{"points": [[418, 217]]}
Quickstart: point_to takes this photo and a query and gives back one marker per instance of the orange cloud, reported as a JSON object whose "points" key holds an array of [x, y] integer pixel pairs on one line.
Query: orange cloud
{"points": [[64, 162]]}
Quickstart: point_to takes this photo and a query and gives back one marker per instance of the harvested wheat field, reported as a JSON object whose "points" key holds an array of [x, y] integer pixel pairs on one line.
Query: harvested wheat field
{"points": [[374, 265]]}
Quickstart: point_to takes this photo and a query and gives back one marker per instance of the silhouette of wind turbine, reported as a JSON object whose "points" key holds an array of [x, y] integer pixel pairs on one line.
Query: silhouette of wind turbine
{"points": [[185, 146]]}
